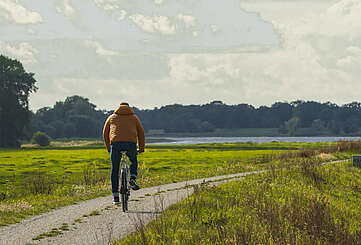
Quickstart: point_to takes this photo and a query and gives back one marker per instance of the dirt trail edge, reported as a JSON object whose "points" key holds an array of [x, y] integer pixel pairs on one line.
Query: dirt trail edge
{"points": [[98, 221]]}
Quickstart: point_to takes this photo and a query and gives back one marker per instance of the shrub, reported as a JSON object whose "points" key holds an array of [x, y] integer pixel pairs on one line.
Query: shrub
{"points": [[39, 183], [92, 176], [41, 139]]}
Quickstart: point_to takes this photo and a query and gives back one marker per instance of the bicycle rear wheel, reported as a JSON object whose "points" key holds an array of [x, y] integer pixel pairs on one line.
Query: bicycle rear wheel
{"points": [[124, 190]]}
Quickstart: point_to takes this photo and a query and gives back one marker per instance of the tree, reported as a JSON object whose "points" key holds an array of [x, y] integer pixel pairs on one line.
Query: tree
{"points": [[41, 139], [292, 125], [308, 111], [75, 117], [282, 110], [318, 125], [15, 87]]}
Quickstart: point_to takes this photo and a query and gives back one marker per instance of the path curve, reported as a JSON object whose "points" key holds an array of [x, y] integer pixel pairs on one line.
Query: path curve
{"points": [[104, 221]]}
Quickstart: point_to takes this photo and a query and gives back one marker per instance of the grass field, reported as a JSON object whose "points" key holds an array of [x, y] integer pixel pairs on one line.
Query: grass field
{"points": [[308, 204], [34, 181]]}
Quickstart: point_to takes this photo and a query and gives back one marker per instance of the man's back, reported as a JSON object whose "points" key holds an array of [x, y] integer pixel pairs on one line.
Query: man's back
{"points": [[123, 126]]}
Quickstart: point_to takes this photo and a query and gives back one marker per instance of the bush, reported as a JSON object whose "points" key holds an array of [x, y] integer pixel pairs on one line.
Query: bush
{"points": [[41, 139], [92, 176], [40, 183]]}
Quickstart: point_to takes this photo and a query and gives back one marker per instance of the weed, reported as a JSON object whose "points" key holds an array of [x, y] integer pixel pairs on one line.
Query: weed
{"points": [[134, 200], [64, 227], [346, 146], [92, 176], [39, 183], [310, 171], [140, 228], [52, 233], [94, 213], [2, 196]]}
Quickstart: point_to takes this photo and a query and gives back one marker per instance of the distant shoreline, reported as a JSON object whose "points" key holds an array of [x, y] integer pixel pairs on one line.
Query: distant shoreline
{"points": [[223, 140]]}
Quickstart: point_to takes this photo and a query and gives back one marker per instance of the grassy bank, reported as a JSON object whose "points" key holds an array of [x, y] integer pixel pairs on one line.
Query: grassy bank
{"points": [[308, 204]]}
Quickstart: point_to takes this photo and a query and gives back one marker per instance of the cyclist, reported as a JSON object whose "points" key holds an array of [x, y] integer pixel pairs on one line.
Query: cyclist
{"points": [[122, 131]]}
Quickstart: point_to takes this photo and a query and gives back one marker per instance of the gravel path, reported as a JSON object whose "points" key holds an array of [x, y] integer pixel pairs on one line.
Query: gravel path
{"points": [[97, 221]]}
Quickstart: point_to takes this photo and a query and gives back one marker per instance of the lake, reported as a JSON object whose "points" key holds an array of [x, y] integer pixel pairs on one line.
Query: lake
{"points": [[206, 140]]}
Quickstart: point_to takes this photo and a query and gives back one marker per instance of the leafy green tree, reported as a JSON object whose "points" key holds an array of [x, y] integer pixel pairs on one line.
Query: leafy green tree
{"points": [[282, 111], [15, 87], [308, 111], [75, 117], [41, 139]]}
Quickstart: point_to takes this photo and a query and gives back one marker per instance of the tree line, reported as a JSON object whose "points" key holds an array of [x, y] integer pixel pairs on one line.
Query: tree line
{"points": [[287, 117], [77, 117]]}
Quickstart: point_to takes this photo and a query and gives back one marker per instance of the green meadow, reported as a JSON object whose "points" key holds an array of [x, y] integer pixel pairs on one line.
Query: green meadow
{"points": [[36, 180], [309, 203]]}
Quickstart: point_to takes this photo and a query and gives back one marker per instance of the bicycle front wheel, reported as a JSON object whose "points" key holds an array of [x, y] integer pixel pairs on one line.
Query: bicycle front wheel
{"points": [[124, 191]]}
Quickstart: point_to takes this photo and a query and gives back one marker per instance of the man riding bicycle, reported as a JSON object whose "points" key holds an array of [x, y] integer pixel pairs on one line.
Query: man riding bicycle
{"points": [[122, 131]]}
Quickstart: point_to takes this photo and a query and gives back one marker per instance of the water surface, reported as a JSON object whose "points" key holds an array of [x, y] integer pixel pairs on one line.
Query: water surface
{"points": [[207, 140]]}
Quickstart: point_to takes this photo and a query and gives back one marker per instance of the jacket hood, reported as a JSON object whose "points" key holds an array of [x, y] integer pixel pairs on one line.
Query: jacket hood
{"points": [[124, 110]]}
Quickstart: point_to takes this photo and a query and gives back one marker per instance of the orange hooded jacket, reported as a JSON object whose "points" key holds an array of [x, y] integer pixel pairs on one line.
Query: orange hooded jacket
{"points": [[123, 126]]}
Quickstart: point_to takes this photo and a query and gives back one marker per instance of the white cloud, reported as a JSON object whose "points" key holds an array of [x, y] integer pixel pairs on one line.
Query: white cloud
{"points": [[16, 13], [99, 49], [206, 69], [320, 59], [351, 63], [197, 26], [214, 28], [154, 24], [66, 8], [188, 20], [23, 51], [158, 2], [122, 15], [340, 20], [343, 18], [108, 5]]}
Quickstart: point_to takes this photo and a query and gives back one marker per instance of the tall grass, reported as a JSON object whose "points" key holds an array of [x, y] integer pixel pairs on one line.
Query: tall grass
{"points": [[339, 147], [309, 204], [92, 176], [39, 183]]}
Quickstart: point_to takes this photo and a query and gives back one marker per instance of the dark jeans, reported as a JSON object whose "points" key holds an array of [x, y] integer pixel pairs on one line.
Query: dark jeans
{"points": [[115, 155]]}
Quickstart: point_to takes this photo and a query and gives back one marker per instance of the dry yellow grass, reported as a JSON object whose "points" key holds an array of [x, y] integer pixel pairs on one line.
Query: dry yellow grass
{"points": [[19, 205]]}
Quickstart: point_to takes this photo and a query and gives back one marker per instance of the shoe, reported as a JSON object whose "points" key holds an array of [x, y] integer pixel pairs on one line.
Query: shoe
{"points": [[133, 184], [116, 201]]}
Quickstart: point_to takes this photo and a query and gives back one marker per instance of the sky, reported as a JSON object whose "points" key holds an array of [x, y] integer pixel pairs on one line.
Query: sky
{"points": [[152, 53]]}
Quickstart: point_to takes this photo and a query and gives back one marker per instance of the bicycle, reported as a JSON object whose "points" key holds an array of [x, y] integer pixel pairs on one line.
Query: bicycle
{"points": [[124, 180]]}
